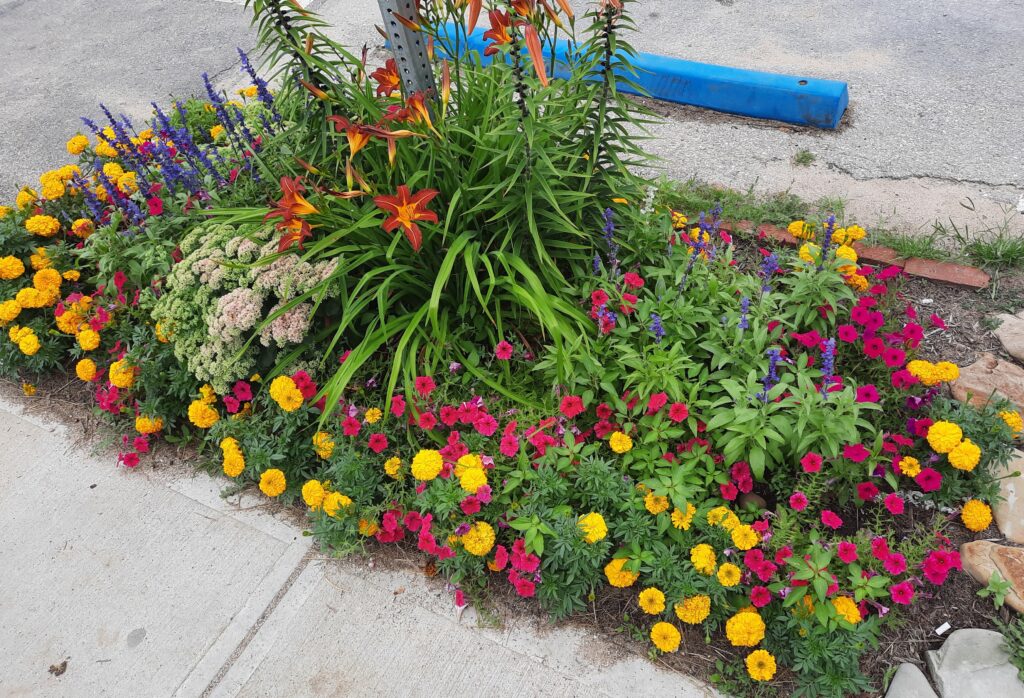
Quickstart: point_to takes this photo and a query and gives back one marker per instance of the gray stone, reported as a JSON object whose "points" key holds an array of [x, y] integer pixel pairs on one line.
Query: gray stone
{"points": [[910, 682], [1010, 334], [972, 663], [1009, 513]]}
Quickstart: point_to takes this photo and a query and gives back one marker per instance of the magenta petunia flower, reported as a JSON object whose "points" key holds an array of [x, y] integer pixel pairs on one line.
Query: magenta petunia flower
{"points": [[856, 453], [867, 393], [427, 421], [874, 347], [894, 357], [895, 564], [811, 462], [929, 480], [424, 385], [677, 412], [378, 442], [798, 501], [760, 596], [867, 491], [847, 333], [879, 548], [831, 519], [894, 503], [902, 593], [847, 552], [633, 280], [572, 406], [503, 350]]}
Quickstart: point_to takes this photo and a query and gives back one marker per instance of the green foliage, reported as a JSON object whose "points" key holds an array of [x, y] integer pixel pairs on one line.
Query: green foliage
{"points": [[1013, 640], [996, 589]]}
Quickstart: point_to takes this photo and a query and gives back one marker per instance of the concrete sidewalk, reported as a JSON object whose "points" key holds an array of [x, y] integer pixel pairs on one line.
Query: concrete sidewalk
{"points": [[149, 583]]}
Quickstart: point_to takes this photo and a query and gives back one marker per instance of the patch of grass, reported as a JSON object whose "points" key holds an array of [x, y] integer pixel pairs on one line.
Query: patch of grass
{"points": [[1013, 639], [925, 245], [804, 158], [693, 196]]}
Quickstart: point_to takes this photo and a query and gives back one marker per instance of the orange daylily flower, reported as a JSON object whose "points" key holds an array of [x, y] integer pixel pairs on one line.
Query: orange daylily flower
{"points": [[499, 34], [294, 231], [536, 51], [388, 81], [291, 204], [524, 8], [474, 14], [406, 209]]}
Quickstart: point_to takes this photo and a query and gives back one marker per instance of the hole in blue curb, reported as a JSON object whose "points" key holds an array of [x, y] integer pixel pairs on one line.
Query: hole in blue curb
{"points": [[802, 82]]}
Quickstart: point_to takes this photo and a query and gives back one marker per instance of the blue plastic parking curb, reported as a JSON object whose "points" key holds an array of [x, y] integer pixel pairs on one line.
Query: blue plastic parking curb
{"points": [[794, 99]]}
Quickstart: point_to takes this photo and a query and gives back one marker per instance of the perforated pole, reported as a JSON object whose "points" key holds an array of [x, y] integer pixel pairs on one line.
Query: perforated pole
{"points": [[409, 47]]}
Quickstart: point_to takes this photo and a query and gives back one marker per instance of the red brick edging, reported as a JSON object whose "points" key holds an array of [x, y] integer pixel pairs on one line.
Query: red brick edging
{"points": [[942, 272]]}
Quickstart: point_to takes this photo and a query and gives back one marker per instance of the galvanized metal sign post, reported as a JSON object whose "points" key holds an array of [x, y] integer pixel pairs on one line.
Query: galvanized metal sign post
{"points": [[409, 47]]}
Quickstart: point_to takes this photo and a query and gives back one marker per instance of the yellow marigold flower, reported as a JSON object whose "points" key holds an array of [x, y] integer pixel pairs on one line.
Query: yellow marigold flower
{"points": [[373, 415], [234, 459], [943, 437], [718, 515], [855, 233], [28, 389], [1013, 420], [848, 254], [11, 268], [88, 339], [216, 131], [207, 394], [43, 226], [161, 335], [285, 393], [620, 443], [30, 298], [71, 275], [427, 464], [744, 537], [147, 425], [965, 456], [70, 322], [694, 610], [249, 91], [272, 482], [146, 134], [122, 374], [29, 344], [665, 637], [976, 515], [53, 189], [652, 601], [810, 253], [761, 665], [85, 370], [857, 282], [682, 520], [40, 260], [392, 466], [368, 528], [618, 576], [703, 558], [9, 312], [335, 502], [910, 466], [729, 574], [801, 230], [104, 149], [947, 371], [745, 629], [313, 494], [847, 608], [202, 415], [126, 183], [83, 228], [25, 198], [77, 144], [5, 211], [472, 479], [924, 371], [479, 540], [470, 460], [655, 503], [323, 445], [113, 171], [593, 527]]}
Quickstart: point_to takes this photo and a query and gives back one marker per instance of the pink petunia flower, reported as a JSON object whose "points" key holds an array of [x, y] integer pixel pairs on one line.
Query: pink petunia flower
{"points": [[847, 333], [880, 548], [902, 593], [894, 357], [427, 421], [424, 385], [847, 552], [856, 453], [656, 402], [867, 393], [894, 503], [760, 596], [866, 491], [831, 519], [811, 462], [503, 351], [572, 406], [632, 280], [678, 412], [378, 442], [929, 480], [798, 501], [895, 564]]}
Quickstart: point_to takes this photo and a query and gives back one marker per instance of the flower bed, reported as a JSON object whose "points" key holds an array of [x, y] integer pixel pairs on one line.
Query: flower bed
{"points": [[549, 384]]}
